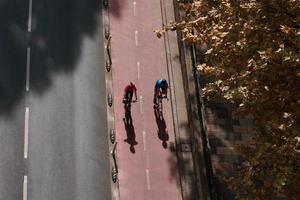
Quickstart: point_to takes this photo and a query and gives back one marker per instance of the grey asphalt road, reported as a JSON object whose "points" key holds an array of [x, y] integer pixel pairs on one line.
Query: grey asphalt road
{"points": [[11, 154], [68, 156], [13, 16]]}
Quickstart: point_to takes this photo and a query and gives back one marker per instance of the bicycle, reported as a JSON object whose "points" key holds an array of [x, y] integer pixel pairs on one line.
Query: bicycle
{"points": [[158, 104], [127, 106]]}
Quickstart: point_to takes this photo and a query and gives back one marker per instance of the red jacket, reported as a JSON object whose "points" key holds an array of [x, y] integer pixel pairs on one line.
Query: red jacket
{"points": [[130, 88]]}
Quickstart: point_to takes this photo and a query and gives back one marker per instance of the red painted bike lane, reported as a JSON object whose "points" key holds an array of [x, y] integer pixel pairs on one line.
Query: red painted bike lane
{"points": [[147, 165]]}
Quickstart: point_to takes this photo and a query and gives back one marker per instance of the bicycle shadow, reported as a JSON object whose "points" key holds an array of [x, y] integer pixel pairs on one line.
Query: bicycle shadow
{"points": [[162, 132], [130, 132]]}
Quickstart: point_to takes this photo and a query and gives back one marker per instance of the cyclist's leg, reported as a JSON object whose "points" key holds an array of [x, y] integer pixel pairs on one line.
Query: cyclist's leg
{"points": [[126, 97], [160, 93], [164, 93], [127, 104], [130, 94], [156, 93]]}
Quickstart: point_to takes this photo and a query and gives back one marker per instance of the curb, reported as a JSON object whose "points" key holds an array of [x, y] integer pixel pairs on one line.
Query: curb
{"points": [[193, 182], [115, 194], [201, 149]]}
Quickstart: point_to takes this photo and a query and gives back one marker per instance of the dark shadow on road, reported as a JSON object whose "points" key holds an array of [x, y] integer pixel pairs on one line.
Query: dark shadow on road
{"points": [[58, 27], [115, 7], [13, 16], [57, 37], [179, 165], [174, 165], [162, 127], [129, 128]]}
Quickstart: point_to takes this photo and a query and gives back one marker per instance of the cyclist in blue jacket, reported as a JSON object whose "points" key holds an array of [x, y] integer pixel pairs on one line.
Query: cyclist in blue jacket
{"points": [[161, 89]]}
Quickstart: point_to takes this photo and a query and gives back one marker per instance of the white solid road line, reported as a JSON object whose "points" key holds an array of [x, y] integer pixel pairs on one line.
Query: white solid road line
{"points": [[30, 16], [138, 65], [148, 179], [134, 8], [141, 104], [26, 133], [25, 188], [28, 70], [136, 35], [144, 140]]}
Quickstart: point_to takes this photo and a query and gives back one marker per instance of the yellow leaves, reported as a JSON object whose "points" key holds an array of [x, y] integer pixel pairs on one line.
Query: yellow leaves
{"points": [[197, 4], [286, 115], [206, 70], [252, 64], [266, 88], [197, 21], [209, 51], [279, 50], [250, 5], [262, 55], [243, 91], [285, 29], [266, 54], [190, 38], [223, 34], [255, 51], [281, 127], [185, 6], [185, 30], [159, 33]]}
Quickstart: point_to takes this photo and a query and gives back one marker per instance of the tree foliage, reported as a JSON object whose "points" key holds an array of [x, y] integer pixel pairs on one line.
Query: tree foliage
{"points": [[254, 59]]}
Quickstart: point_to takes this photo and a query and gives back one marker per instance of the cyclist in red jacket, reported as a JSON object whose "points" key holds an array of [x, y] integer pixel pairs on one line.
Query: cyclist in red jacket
{"points": [[128, 92]]}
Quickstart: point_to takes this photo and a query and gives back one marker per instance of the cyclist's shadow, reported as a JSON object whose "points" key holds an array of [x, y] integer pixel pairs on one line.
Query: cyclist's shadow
{"points": [[162, 132], [130, 132]]}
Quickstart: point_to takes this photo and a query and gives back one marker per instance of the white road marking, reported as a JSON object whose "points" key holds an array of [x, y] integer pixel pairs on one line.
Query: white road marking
{"points": [[25, 188], [138, 64], [136, 35], [28, 70], [26, 133], [29, 15], [141, 104], [148, 179], [144, 140], [134, 8]]}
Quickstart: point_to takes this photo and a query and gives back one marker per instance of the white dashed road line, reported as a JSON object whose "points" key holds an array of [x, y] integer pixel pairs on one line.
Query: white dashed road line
{"points": [[141, 104], [136, 37], [145, 140], [26, 133], [138, 65], [30, 16], [148, 179], [134, 8], [25, 188], [28, 70]]}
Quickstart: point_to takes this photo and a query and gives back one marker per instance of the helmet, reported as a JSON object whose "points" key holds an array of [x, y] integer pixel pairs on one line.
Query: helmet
{"points": [[164, 83]]}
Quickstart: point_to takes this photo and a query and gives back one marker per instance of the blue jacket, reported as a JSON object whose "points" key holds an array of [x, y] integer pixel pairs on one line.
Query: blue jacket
{"points": [[160, 84]]}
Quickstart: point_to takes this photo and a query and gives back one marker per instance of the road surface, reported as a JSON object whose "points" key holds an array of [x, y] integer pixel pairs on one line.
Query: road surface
{"points": [[53, 123], [146, 157]]}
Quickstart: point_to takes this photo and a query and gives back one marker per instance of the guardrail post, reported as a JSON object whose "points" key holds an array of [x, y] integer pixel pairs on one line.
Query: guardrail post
{"points": [[114, 171], [109, 100], [112, 135], [108, 61], [106, 32]]}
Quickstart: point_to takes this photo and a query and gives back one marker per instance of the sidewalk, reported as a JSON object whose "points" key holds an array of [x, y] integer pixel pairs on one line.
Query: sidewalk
{"points": [[154, 155]]}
